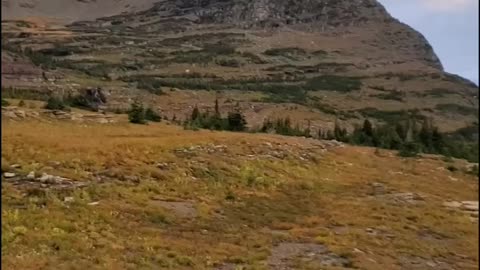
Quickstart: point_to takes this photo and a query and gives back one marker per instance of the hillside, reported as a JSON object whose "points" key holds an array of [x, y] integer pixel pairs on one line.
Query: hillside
{"points": [[316, 61], [79, 195]]}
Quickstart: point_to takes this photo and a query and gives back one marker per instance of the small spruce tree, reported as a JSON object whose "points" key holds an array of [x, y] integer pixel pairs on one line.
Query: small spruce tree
{"points": [[136, 114], [236, 121], [195, 113]]}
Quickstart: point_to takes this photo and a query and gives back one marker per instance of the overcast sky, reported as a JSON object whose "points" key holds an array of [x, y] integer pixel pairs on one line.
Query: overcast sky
{"points": [[451, 27]]}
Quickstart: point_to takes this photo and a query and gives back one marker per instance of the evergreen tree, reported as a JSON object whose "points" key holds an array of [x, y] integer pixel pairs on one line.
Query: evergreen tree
{"points": [[217, 109], [367, 128], [236, 121], [195, 113], [136, 113], [339, 133]]}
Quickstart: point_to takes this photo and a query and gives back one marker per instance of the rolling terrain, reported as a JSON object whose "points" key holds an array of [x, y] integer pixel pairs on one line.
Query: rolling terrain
{"points": [[85, 188], [79, 195], [317, 61]]}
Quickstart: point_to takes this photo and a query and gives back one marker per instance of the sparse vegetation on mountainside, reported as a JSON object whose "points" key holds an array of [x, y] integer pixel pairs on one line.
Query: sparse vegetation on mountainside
{"points": [[56, 103], [222, 135]]}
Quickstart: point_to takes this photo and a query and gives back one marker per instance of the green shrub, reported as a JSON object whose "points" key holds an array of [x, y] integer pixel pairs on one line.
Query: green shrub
{"points": [[40, 59], [55, 103], [409, 149], [219, 48], [151, 85], [286, 52], [456, 108], [334, 83], [151, 115], [236, 121], [5, 103], [394, 95], [136, 114], [253, 58], [228, 63]]}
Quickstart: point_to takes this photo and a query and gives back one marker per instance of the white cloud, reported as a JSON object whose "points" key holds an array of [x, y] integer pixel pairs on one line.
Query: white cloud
{"points": [[449, 5]]}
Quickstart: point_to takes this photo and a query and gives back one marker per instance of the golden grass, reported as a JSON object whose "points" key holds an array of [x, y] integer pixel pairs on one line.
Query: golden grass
{"points": [[236, 196]]}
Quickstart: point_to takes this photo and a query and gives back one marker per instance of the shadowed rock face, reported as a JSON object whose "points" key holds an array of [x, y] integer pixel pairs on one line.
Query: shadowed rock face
{"points": [[305, 15], [250, 13]]}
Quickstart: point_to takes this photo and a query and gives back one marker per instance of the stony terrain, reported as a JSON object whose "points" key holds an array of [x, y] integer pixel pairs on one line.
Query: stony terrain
{"points": [[79, 195]]}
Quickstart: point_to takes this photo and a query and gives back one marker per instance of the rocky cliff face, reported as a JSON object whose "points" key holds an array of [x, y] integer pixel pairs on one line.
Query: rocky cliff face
{"points": [[248, 13], [306, 15]]}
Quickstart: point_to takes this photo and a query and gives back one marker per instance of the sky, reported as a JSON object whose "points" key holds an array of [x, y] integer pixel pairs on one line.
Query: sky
{"points": [[451, 27]]}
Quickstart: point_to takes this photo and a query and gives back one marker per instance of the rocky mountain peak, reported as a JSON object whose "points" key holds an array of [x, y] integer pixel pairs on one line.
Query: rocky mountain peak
{"points": [[251, 13]]}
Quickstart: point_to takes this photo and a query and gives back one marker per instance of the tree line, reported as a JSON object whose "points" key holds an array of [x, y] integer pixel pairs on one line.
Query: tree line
{"points": [[409, 136]]}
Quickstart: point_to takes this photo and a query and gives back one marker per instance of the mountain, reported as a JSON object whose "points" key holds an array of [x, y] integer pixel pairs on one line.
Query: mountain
{"points": [[314, 60], [91, 179]]}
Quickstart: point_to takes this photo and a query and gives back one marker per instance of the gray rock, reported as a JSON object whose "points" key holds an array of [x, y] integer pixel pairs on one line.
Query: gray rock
{"points": [[470, 205], [9, 114], [20, 113], [69, 199], [452, 204], [31, 175], [44, 178], [9, 174], [162, 166]]}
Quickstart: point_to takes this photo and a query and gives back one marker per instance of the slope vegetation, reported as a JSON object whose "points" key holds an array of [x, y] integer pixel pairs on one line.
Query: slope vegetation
{"points": [[123, 196]]}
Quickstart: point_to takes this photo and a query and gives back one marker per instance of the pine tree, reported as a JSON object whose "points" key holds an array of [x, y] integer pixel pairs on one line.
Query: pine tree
{"points": [[136, 113], [195, 113], [236, 121], [367, 128], [217, 109]]}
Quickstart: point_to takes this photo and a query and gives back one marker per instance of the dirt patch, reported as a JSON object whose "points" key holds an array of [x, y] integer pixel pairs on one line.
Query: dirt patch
{"points": [[432, 236], [417, 263], [284, 254], [468, 207], [180, 209], [227, 266], [402, 198]]}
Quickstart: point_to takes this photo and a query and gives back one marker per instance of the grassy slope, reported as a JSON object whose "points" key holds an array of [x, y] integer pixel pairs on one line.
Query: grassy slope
{"points": [[401, 83], [245, 202]]}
